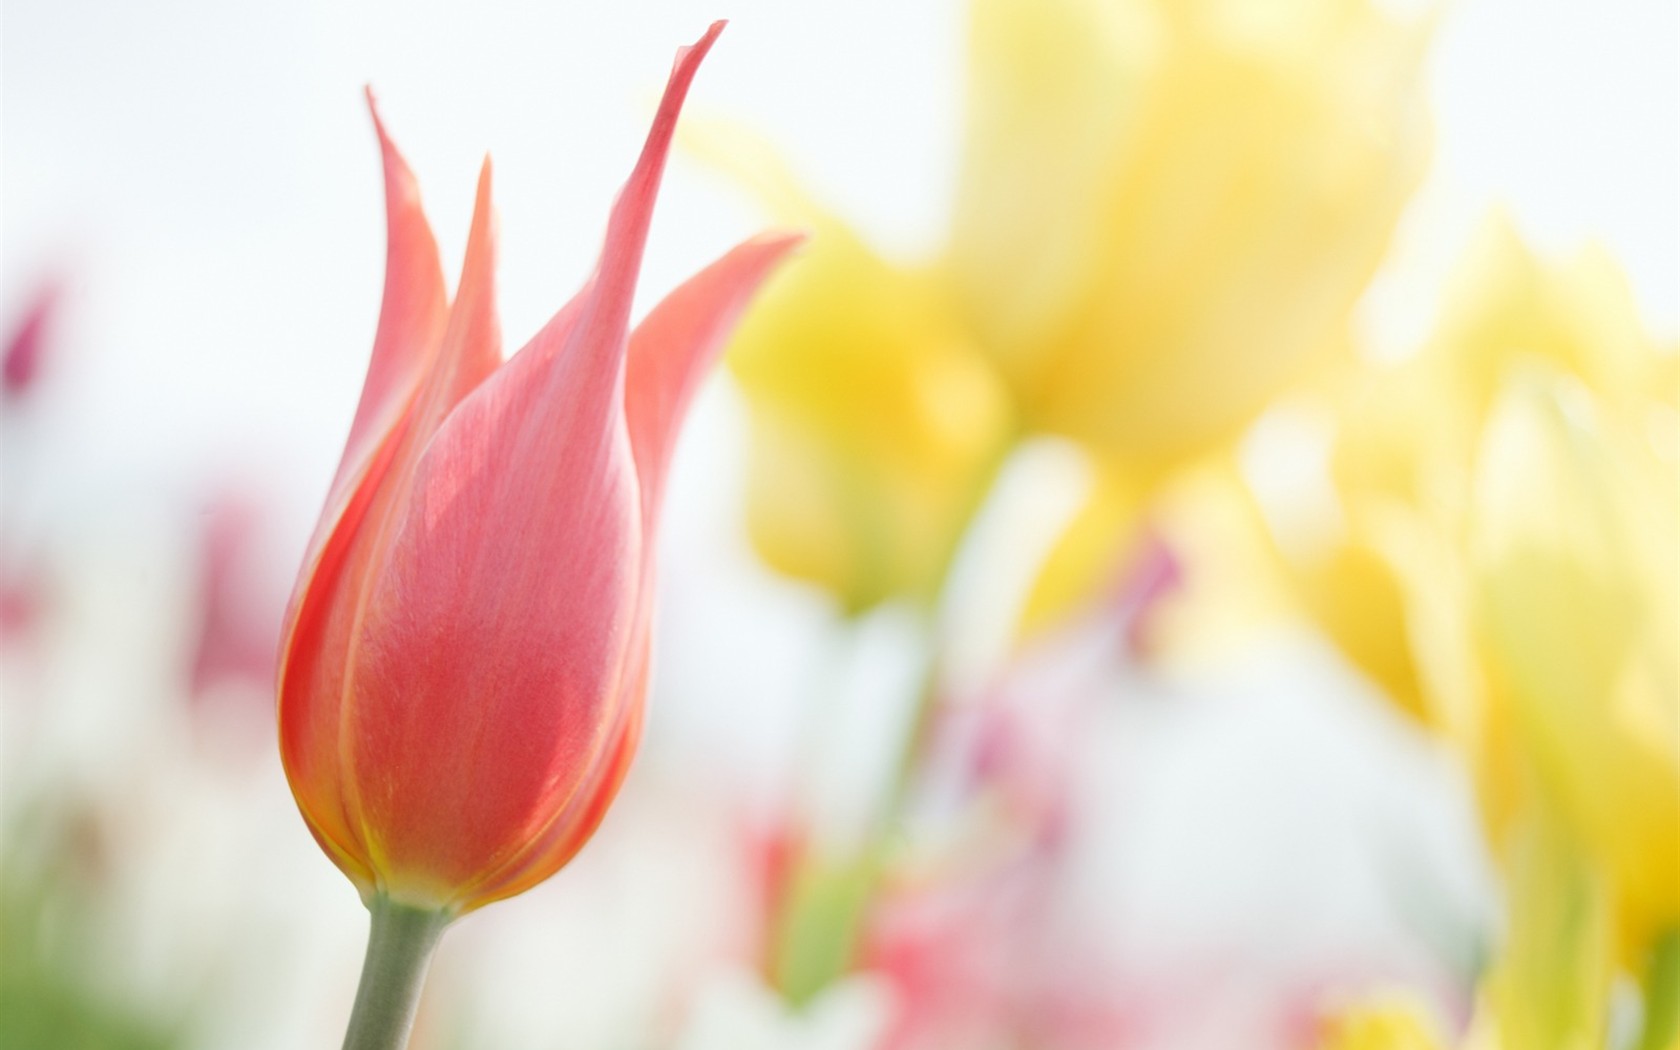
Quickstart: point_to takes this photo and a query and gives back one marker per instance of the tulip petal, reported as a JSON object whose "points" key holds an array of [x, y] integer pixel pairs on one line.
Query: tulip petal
{"points": [[412, 318], [556, 844], [507, 619], [675, 345], [332, 591], [669, 354]]}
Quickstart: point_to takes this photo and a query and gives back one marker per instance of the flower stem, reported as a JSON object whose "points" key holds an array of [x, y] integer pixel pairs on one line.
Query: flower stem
{"points": [[399, 950], [1662, 994]]}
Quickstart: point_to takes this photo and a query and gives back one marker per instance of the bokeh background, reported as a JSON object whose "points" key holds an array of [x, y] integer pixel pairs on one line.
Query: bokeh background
{"points": [[1248, 833]]}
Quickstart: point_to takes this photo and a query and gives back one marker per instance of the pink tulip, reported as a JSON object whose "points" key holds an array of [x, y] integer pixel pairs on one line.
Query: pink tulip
{"points": [[466, 654], [20, 364]]}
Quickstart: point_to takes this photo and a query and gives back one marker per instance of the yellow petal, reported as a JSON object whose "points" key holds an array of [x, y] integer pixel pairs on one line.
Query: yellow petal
{"points": [[1167, 210]]}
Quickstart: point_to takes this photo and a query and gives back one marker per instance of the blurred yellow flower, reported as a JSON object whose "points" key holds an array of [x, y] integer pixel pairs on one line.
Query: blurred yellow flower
{"points": [[1392, 586], [1575, 534], [875, 423], [1505, 564], [1167, 210]]}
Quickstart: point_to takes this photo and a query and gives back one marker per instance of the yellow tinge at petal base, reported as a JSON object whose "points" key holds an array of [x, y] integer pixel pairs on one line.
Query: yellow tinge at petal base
{"points": [[875, 424], [1167, 211], [1574, 535]]}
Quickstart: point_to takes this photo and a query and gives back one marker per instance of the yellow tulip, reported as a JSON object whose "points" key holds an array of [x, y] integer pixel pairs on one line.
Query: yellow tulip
{"points": [[875, 423], [1576, 539], [1394, 586], [1167, 210]]}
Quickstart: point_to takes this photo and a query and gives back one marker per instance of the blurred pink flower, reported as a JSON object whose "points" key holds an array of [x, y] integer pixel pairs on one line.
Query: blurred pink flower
{"points": [[238, 620], [28, 341]]}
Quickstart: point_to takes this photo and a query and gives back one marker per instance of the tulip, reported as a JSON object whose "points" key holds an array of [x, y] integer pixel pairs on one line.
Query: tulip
{"points": [[1390, 581], [876, 422], [1167, 213], [1573, 538], [1503, 564], [20, 363], [1167, 210], [876, 425], [466, 652]]}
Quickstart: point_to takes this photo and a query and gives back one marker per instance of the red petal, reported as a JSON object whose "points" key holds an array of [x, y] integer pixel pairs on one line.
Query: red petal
{"points": [[411, 323], [359, 521], [489, 660]]}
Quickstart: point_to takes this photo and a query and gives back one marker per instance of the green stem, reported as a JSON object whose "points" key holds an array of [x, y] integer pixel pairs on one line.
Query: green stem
{"points": [[399, 950], [1662, 994]]}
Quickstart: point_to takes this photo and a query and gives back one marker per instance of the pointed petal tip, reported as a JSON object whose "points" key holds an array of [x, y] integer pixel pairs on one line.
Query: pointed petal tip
{"points": [[689, 56], [400, 183], [378, 121], [481, 237]]}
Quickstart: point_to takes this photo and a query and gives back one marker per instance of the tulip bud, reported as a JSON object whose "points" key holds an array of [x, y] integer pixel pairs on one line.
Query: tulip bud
{"points": [[466, 653]]}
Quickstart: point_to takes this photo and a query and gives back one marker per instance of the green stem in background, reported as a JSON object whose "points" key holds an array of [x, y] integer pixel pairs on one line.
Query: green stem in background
{"points": [[399, 951], [1662, 995], [820, 923]]}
